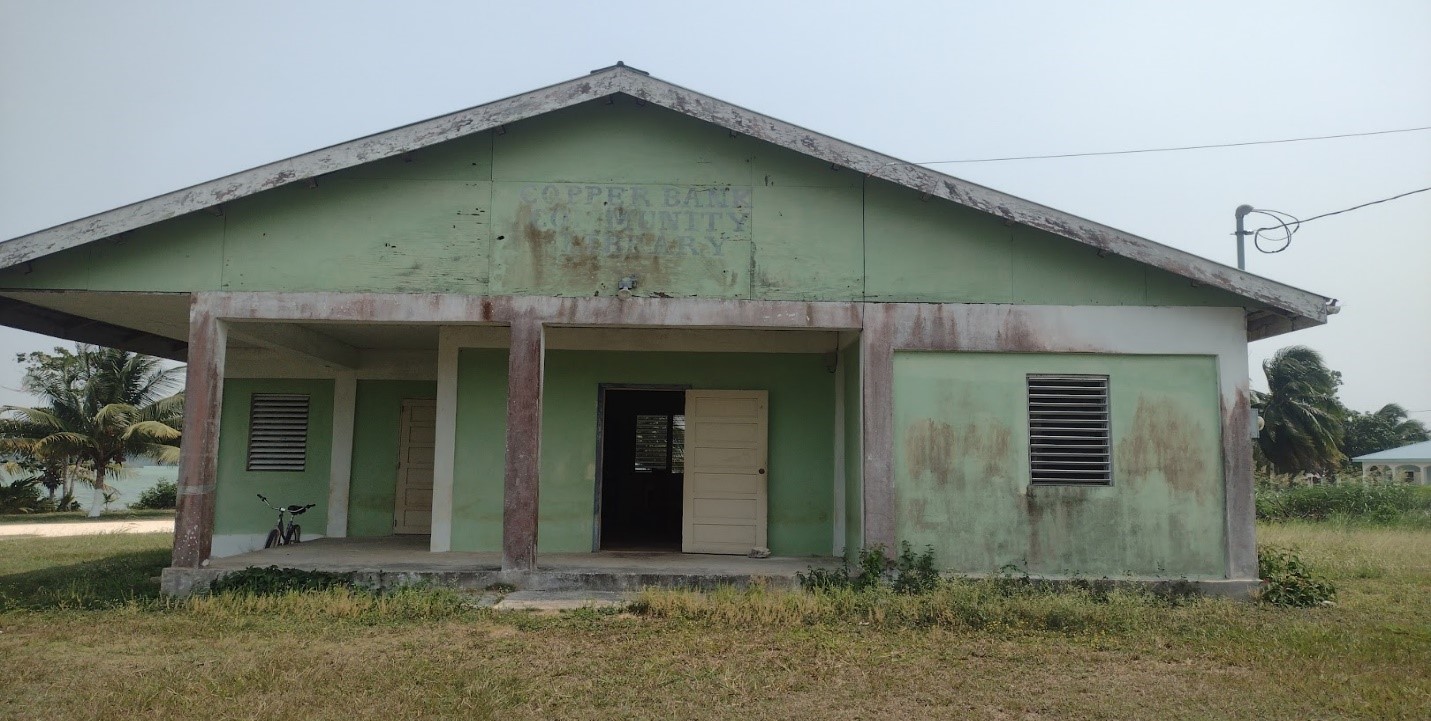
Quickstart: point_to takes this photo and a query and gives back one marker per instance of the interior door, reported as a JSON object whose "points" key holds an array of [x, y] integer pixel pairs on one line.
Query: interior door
{"points": [[416, 440], [725, 464]]}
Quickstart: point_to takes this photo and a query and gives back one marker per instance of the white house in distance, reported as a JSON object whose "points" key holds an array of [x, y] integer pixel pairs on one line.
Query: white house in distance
{"points": [[1414, 460]]}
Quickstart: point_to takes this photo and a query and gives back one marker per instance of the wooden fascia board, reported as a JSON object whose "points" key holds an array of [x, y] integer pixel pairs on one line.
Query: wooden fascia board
{"points": [[301, 167], [693, 104], [978, 197]]}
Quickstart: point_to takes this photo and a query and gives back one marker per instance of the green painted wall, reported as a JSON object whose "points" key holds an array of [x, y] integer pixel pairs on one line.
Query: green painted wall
{"points": [[801, 443], [237, 511], [854, 488], [568, 203], [377, 414], [481, 449], [962, 479]]}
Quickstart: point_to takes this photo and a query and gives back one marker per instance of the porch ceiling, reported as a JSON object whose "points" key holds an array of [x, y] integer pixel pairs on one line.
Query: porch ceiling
{"points": [[162, 314], [385, 336]]}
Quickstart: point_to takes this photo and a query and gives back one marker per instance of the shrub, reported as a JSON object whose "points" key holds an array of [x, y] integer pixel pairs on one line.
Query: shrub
{"points": [[23, 496], [1376, 503], [274, 580], [163, 494], [1289, 582], [907, 573]]}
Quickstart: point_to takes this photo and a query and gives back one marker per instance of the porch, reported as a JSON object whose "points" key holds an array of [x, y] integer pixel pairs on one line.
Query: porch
{"points": [[404, 560]]}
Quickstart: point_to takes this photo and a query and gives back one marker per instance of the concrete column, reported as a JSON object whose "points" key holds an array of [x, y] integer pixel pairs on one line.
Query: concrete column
{"points": [[1423, 480], [199, 457], [1365, 472], [444, 443], [837, 526], [340, 467], [877, 424], [521, 484]]}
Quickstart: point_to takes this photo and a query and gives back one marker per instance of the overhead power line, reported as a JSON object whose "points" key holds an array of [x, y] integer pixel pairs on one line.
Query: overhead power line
{"points": [[1178, 148], [1288, 224]]}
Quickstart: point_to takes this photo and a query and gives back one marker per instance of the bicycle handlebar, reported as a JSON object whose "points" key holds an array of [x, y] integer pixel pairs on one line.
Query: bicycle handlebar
{"points": [[294, 509]]}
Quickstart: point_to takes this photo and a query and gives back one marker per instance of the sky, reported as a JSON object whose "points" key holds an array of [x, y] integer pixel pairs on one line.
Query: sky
{"points": [[103, 104]]}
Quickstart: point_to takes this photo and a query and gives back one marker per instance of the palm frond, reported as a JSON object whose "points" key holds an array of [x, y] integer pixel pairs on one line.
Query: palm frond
{"points": [[37, 416], [150, 431]]}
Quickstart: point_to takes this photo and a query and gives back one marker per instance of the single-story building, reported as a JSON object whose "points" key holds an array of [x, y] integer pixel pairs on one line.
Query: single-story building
{"points": [[1411, 464], [615, 313]]}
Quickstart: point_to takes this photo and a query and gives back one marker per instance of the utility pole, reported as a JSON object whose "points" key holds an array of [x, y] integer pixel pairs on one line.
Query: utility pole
{"points": [[1242, 233]]}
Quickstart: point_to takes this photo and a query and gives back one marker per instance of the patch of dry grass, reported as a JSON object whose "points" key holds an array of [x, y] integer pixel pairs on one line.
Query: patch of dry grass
{"points": [[341, 655]]}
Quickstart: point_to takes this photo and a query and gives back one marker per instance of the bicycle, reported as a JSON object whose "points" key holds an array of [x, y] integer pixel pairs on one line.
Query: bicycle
{"points": [[281, 536]]}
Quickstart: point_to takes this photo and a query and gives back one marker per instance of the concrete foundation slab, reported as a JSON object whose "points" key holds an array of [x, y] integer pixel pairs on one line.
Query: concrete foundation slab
{"points": [[405, 560]]}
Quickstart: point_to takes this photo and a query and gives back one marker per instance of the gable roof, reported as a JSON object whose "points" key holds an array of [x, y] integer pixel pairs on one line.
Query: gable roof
{"points": [[1417, 452], [1293, 308]]}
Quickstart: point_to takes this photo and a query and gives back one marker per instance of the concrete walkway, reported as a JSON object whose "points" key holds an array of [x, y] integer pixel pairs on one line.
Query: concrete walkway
{"points": [[562, 600], [87, 528]]}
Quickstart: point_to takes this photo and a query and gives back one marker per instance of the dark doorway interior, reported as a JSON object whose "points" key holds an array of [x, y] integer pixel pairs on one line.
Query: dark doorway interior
{"points": [[642, 469]]}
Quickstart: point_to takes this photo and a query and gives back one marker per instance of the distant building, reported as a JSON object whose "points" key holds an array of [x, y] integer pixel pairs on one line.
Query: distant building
{"points": [[1411, 464]]}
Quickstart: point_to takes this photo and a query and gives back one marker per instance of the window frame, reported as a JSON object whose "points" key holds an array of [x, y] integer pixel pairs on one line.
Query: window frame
{"points": [[1069, 479], [276, 465]]}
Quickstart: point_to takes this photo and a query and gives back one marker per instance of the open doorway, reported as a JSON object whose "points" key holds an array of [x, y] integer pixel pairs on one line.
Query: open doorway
{"points": [[642, 468]]}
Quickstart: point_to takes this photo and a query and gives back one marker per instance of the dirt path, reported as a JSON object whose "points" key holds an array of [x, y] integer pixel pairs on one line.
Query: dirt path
{"points": [[87, 528]]}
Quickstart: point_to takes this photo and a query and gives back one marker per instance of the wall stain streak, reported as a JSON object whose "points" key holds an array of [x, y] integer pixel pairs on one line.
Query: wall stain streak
{"points": [[1164, 440], [929, 451]]}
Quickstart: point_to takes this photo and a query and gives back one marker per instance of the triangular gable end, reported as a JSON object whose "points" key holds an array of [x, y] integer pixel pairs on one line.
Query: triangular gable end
{"points": [[1288, 308]]}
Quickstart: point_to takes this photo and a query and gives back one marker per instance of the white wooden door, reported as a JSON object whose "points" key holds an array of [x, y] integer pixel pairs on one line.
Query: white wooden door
{"points": [[417, 435], [725, 463]]}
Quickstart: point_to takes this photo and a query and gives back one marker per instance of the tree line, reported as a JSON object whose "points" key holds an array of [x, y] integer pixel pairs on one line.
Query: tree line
{"points": [[1307, 429], [100, 408]]}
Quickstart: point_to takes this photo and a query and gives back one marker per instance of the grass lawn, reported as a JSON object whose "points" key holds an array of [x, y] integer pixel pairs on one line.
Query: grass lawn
{"points": [[83, 517], [83, 636]]}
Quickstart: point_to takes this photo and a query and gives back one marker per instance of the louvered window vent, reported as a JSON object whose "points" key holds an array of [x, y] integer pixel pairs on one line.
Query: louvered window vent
{"points": [[1069, 437], [278, 432]]}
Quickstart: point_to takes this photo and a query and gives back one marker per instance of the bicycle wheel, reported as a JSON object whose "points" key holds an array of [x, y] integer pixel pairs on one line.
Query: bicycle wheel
{"points": [[295, 533], [272, 539]]}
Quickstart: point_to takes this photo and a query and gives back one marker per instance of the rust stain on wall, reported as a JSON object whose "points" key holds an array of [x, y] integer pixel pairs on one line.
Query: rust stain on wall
{"points": [[942, 452], [1164, 440], [929, 450]]}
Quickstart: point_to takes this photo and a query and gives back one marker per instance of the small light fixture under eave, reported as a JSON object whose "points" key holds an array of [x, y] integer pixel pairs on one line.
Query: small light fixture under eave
{"points": [[625, 286], [1333, 306]]}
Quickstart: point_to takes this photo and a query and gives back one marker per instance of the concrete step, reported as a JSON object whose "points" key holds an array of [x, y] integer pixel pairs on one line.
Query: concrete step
{"points": [[562, 600]]}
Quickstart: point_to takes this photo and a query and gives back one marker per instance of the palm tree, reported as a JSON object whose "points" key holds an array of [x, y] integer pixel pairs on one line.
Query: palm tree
{"points": [[103, 407], [1390, 427], [1302, 418]]}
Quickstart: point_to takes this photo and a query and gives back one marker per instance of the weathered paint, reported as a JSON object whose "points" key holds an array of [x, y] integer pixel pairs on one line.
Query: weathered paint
{"points": [[532, 108], [801, 446], [521, 486], [876, 434], [570, 203], [238, 512], [375, 453], [480, 431], [962, 478], [199, 459]]}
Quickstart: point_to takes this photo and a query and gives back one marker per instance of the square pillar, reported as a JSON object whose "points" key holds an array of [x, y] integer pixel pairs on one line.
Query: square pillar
{"points": [[524, 444], [199, 455], [877, 424], [445, 443], [340, 468]]}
